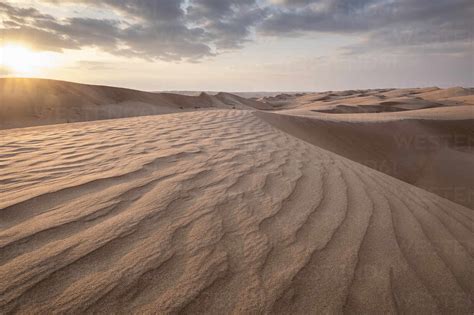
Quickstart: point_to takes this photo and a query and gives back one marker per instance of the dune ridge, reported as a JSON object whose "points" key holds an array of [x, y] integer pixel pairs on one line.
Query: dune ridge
{"points": [[221, 212], [34, 102]]}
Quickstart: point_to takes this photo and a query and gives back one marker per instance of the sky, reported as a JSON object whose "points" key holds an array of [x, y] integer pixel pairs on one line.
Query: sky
{"points": [[241, 45]]}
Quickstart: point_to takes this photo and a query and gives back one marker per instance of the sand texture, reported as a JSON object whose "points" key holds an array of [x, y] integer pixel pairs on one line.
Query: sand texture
{"points": [[116, 201], [34, 102], [219, 212], [434, 154], [422, 136]]}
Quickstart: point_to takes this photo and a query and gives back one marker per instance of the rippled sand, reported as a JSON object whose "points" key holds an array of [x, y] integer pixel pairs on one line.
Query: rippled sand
{"points": [[217, 212]]}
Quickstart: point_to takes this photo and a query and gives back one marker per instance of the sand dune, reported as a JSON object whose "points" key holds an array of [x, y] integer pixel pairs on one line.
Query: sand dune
{"points": [[34, 102], [217, 212], [248, 95], [372, 101], [424, 137], [351, 201], [434, 154], [446, 93]]}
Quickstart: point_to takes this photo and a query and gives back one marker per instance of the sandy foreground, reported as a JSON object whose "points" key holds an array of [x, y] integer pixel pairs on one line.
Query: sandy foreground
{"points": [[219, 211]]}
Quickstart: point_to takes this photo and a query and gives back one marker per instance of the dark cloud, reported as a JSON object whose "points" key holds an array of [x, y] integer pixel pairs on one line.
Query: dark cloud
{"points": [[194, 29], [227, 23], [39, 39], [149, 29], [386, 24], [146, 9], [21, 15]]}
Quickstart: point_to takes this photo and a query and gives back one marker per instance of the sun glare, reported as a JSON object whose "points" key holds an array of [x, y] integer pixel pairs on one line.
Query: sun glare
{"points": [[19, 60]]}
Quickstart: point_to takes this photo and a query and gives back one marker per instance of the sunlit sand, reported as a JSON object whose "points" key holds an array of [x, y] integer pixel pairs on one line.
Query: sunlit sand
{"points": [[220, 204]]}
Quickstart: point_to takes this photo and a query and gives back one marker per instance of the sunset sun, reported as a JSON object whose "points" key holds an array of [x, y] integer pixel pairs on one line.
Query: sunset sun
{"points": [[20, 60]]}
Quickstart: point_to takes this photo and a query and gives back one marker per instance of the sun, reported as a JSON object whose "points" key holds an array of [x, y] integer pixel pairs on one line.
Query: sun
{"points": [[19, 60]]}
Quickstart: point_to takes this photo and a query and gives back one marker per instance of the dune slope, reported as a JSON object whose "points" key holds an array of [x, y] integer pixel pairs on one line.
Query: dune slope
{"points": [[435, 154], [35, 102], [219, 212]]}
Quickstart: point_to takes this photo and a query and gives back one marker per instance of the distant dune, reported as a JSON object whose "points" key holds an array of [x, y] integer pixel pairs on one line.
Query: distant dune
{"points": [[297, 209], [241, 94], [34, 102], [373, 101]]}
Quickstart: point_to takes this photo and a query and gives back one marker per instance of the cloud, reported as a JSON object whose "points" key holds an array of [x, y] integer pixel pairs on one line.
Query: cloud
{"points": [[227, 23], [195, 29], [386, 24], [159, 31]]}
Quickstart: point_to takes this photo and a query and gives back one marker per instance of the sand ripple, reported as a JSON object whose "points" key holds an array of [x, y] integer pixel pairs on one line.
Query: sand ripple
{"points": [[217, 212]]}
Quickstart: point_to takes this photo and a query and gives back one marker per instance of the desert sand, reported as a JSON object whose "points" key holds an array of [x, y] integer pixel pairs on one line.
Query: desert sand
{"points": [[223, 210], [420, 136], [34, 102]]}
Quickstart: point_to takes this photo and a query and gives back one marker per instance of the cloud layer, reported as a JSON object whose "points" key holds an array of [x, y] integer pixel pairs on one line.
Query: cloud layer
{"points": [[195, 29]]}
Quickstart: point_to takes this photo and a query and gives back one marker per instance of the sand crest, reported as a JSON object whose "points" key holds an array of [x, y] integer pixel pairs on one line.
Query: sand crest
{"points": [[36, 102]]}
